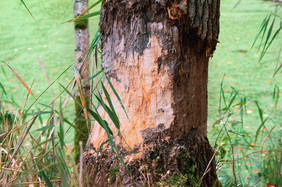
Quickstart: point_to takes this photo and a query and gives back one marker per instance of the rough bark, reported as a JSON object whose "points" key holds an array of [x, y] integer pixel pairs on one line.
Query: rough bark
{"points": [[156, 53], [82, 64]]}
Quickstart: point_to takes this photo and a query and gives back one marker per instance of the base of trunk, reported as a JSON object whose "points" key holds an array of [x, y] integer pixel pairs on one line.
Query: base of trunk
{"points": [[161, 162]]}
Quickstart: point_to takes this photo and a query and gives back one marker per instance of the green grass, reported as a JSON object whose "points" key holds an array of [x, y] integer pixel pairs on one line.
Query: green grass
{"points": [[238, 29], [23, 40]]}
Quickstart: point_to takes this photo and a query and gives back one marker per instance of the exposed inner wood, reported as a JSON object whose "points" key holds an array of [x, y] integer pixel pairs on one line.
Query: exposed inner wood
{"points": [[145, 93], [156, 54]]}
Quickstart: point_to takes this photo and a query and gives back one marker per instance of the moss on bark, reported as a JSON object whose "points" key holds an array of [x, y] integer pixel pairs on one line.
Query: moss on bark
{"points": [[177, 162], [81, 24], [82, 131]]}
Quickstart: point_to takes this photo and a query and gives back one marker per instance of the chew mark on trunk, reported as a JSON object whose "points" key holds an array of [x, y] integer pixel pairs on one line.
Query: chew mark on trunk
{"points": [[175, 10], [145, 93]]}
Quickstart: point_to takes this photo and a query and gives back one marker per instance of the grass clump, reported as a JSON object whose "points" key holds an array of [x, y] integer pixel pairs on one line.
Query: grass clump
{"points": [[174, 181], [113, 173]]}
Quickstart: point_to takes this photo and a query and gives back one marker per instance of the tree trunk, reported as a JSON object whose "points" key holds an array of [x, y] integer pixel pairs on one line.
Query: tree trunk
{"points": [[82, 64], [156, 53]]}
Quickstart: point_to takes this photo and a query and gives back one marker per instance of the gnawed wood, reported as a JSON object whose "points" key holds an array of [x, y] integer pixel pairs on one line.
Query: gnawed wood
{"points": [[156, 54]]}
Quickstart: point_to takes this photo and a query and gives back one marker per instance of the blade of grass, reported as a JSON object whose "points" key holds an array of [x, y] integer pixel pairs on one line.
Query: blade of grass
{"points": [[42, 143], [101, 122], [272, 39], [70, 124], [261, 145], [111, 114], [258, 130], [62, 171], [66, 90], [260, 111], [264, 31], [89, 8], [3, 89], [92, 77], [21, 141], [45, 178], [263, 28], [61, 128], [45, 128], [21, 80], [88, 15], [267, 38], [28, 10], [55, 81], [4, 73], [81, 95], [115, 92], [94, 42]]}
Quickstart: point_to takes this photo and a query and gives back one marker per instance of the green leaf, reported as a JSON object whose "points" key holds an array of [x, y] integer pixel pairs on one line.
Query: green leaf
{"points": [[260, 111], [70, 124], [273, 37], [3, 71], [114, 116], [102, 144], [61, 129], [263, 28], [3, 89], [41, 143], [257, 132], [225, 139], [47, 106], [94, 42], [266, 40], [46, 179], [45, 128], [216, 123], [275, 93], [115, 92], [97, 13], [63, 173], [50, 85], [94, 5], [39, 113], [48, 166], [66, 90], [101, 122], [264, 31], [92, 77], [230, 103], [75, 70], [87, 10], [122, 160], [223, 96], [63, 162], [109, 112], [28, 10], [240, 103]]}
